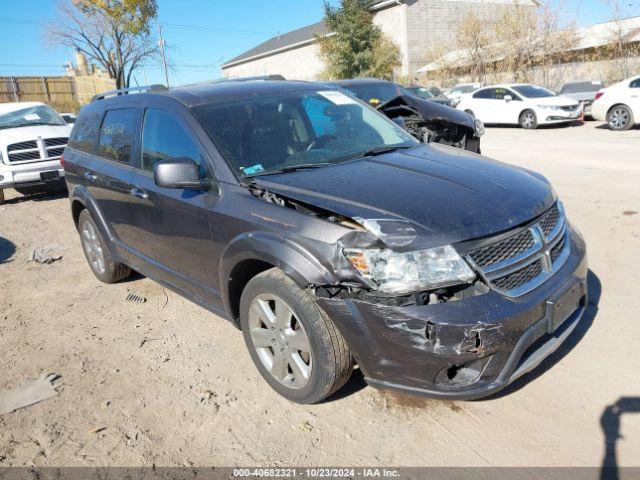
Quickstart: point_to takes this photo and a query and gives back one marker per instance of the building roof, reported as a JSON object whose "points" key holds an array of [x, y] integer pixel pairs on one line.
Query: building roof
{"points": [[593, 36], [296, 38]]}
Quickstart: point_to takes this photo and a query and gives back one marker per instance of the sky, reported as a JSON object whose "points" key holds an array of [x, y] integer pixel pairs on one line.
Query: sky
{"points": [[200, 34]]}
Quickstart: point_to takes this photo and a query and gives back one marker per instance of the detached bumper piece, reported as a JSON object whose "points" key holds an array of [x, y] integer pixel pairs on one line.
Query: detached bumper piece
{"points": [[472, 347]]}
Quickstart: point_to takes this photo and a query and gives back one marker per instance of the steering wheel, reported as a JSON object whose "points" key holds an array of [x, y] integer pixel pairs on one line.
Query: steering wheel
{"points": [[321, 141]]}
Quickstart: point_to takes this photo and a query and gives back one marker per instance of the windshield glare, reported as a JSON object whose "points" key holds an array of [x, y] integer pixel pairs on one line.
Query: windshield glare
{"points": [[531, 91], [421, 92], [38, 115], [270, 133]]}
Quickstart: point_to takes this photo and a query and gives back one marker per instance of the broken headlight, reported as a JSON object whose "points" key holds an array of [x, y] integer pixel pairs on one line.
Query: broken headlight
{"points": [[395, 272]]}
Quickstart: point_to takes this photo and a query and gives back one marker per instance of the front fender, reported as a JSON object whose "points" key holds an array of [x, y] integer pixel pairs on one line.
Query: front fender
{"points": [[277, 250]]}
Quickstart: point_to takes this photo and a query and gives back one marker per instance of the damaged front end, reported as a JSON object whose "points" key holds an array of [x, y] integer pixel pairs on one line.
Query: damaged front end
{"points": [[431, 122], [433, 328]]}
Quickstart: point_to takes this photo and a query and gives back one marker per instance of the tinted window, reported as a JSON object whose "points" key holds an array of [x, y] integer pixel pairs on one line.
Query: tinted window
{"points": [[531, 91], [85, 133], [486, 93], [164, 137], [117, 135], [635, 83]]}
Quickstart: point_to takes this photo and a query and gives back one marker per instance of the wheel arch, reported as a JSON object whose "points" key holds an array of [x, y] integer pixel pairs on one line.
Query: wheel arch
{"points": [[253, 253]]}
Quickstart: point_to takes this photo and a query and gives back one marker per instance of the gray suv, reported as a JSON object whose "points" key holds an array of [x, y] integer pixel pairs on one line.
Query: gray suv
{"points": [[328, 235]]}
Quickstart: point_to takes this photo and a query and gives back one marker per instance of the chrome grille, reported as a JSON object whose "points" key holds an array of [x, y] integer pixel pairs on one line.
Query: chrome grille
{"points": [[516, 264], [35, 150], [22, 146]]}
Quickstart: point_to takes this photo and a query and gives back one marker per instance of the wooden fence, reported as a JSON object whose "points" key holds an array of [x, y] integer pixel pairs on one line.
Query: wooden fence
{"points": [[66, 94]]}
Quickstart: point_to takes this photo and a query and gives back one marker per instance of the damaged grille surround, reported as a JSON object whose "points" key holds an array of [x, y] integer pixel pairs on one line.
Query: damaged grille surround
{"points": [[525, 259]]}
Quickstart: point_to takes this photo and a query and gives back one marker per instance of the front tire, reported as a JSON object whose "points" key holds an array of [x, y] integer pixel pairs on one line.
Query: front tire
{"points": [[528, 120], [297, 349], [97, 252], [620, 118]]}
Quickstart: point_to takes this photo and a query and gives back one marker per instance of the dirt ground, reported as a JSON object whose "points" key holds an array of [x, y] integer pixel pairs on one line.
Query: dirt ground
{"points": [[167, 383]]}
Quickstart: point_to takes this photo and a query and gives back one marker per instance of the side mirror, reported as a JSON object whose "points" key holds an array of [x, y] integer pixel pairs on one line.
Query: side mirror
{"points": [[179, 173], [508, 98]]}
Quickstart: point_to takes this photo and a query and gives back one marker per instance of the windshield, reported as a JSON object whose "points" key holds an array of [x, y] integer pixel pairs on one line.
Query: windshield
{"points": [[38, 115], [261, 135], [375, 93], [531, 91], [420, 92]]}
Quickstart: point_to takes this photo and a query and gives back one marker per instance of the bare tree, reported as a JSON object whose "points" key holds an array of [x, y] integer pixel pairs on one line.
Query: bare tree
{"points": [[556, 35], [475, 39], [115, 34], [622, 49]]}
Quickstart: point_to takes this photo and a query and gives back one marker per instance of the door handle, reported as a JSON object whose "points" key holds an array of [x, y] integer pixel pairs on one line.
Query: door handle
{"points": [[139, 193], [92, 177]]}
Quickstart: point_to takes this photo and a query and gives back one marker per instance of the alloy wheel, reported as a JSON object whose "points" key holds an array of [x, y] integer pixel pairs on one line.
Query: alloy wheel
{"points": [[93, 248], [280, 341], [619, 118], [528, 120]]}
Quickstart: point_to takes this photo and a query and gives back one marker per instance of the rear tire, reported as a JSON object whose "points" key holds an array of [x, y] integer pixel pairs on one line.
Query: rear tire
{"points": [[97, 253], [296, 348], [528, 120], [620, 117]]}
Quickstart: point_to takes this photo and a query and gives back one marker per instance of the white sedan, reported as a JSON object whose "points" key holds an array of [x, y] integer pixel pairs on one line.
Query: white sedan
{"points": [[520, 104], [619, 104]]}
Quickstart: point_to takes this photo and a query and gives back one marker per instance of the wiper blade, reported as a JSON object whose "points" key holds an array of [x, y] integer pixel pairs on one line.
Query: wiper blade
{"points": [[372, 152], [291, 168]]}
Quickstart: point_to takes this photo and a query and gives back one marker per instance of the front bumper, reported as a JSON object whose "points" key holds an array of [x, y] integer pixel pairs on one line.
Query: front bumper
{"points": [[559, 116], [23, 175], [486, 341]]}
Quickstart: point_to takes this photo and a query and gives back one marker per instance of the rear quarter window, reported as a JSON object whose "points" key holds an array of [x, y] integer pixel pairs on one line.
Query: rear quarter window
{"points": [[117, 135], [84, 135]]}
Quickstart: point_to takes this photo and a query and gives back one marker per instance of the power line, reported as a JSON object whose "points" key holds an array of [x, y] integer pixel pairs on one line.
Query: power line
{"points": [[217, 29]]}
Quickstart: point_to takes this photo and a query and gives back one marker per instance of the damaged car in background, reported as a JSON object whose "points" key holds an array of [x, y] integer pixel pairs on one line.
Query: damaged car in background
{"points": [[428, 120], [330, 236]]}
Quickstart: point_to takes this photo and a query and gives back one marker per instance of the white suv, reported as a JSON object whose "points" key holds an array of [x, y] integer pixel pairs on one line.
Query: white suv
{"points": [[619, 104], [32, 138]]}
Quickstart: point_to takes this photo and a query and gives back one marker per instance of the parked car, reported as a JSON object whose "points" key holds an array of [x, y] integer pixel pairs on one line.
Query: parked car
{"points": [[426, 120], [329, 236], [619, 104], [32, 138], [455, 93], [520, 104], [427, 94], [582, 91]]}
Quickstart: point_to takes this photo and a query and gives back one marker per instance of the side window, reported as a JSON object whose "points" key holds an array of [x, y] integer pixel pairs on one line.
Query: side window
{"points": [[500, 93], [514, 95], [164, 137], [117, 135], [635, 83], [487, 93], [85, 133]]}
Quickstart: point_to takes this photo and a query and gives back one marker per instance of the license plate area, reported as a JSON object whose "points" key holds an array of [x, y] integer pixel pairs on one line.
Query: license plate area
{"points": [[51, 176], [565, 305]]}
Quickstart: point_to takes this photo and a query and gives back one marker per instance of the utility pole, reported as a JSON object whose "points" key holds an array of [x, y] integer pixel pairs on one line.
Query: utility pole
{"points": [[164, 60]]}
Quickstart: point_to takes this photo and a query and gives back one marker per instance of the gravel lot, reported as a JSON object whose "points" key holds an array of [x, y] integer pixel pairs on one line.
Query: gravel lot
{"points": [[167, 383]]}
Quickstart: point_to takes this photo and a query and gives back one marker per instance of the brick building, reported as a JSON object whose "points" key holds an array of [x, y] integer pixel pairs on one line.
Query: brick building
{"points": [[415, 26]]}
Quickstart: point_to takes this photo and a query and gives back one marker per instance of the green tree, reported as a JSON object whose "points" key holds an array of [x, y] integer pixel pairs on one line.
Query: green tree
{"points": [[355, 47], [115, 34]]}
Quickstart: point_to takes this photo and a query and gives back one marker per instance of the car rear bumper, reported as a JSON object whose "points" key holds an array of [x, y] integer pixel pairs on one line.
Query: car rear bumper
{"points": [[30, 174], [465, 349]]}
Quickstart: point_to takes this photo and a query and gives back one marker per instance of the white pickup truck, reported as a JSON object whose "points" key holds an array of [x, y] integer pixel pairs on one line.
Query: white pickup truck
{"points": [[32, 138]]}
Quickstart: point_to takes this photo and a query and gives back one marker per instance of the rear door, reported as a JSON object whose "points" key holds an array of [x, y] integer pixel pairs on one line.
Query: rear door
{"points": [[108, 177], [172, 231]]}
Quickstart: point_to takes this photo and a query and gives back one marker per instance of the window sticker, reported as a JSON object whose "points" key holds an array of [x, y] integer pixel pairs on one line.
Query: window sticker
{"points": [[253, 169], [32, 117], [337, 98]]}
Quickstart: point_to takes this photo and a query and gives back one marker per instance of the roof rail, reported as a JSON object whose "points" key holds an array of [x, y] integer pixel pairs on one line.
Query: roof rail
{"points": [[127, 91]]}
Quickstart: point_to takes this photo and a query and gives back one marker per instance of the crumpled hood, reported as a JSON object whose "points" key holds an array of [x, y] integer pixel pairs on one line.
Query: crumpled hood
{"points": [[430, 110], [447, 194]]}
